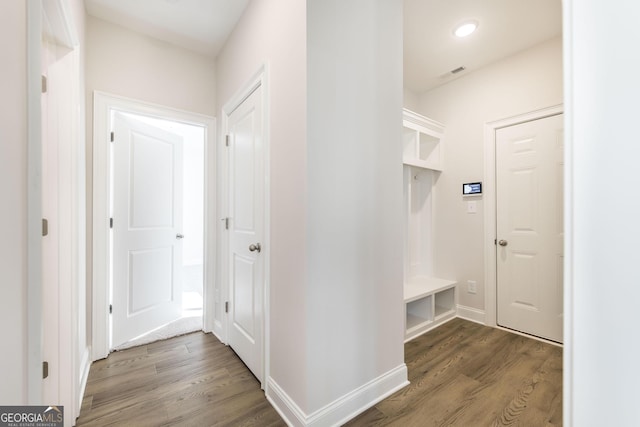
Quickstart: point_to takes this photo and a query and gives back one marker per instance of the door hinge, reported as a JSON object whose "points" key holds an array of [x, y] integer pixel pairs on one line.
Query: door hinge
{"points": [[110, 308], [45, 227], [227, 140], [44, 84], [226, 306], [45, 370], [226, 223], [112, 136], [110, 222]]}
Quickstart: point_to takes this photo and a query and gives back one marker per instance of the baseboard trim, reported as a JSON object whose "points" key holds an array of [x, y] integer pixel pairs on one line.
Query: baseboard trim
{"points": [[472, 314], [85, 366], [215, 334], [343, 409], [284, 405], [359, 400]]}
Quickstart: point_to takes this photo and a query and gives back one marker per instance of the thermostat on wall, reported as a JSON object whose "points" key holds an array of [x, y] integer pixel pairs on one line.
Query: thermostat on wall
{"points": [[471, 188]]}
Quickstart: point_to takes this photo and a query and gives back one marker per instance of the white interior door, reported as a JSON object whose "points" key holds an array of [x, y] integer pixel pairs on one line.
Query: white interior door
{"points": [[529, 206], [246, 232], [147, 227]]}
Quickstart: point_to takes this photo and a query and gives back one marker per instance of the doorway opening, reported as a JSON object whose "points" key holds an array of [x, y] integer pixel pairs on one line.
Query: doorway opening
{"points": [[158, 136], [188, 315]]}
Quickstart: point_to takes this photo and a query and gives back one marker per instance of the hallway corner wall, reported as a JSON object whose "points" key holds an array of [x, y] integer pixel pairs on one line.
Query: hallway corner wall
{"points": [[13, 214]]}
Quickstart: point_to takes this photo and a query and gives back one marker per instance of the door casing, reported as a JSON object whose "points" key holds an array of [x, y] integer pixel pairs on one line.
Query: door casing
{"points": [[221, 329], [101, 275], [490, 215]]}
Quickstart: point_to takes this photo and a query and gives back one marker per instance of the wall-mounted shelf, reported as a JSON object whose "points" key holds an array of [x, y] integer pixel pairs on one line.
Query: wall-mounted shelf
{"points": [[422, 141]]}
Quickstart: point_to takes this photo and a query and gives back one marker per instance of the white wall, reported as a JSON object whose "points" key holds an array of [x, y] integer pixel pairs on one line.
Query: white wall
{"points": [[13, 210], [411, 100], [602, 230], [273, 33], [519, 84], [355, 312], [193, 198], [123, 62]]}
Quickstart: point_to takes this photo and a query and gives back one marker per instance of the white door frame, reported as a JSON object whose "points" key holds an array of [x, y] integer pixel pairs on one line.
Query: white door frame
{"points": [[103, 104], [260, 79], [490, 279], [58, 27]]}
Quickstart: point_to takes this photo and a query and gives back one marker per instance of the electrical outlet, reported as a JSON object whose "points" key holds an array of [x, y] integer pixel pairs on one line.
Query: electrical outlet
{"points": [[471, 286]]}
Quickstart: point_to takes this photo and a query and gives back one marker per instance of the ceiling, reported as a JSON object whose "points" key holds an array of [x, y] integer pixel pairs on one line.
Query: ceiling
{"points": [[430, 49], [505, 27], [199, 25]]}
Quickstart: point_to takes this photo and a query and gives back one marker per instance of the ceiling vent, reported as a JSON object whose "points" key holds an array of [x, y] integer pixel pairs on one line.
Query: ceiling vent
{"points": [[457, 70]]}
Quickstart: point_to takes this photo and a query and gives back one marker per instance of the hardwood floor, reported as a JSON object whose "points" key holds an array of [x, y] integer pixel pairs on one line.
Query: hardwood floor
{"points": [[462, 374], [192, 380], [465, 374]]}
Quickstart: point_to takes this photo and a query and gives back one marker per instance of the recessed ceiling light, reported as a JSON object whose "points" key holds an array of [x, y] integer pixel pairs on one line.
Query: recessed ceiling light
{"points": [[466, 28]]}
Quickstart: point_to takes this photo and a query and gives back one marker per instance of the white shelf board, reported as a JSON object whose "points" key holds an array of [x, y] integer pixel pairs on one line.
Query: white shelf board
{"points": [[419, 163], [441, 312], [421, 286], [415, 322]]}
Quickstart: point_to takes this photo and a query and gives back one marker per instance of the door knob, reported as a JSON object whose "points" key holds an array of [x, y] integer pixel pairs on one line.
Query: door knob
{"points": [[179, 236], [255, 247], [503, 243]]}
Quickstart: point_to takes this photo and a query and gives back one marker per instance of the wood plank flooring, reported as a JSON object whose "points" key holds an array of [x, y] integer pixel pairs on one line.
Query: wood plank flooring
{"points": [[191, 380], [462, 374], [465, 374]]}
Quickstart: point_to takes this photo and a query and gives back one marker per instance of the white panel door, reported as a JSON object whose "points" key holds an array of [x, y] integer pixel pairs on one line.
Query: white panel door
{"points": [[529, 198], [246, 210], [147, 223]]}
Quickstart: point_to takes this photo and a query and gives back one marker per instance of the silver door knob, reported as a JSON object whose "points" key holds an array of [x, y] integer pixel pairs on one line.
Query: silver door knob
{"points": [[503, 243], [179, 236], [255, 247]]}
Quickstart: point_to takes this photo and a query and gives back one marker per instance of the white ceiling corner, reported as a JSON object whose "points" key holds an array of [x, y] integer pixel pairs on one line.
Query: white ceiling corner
{"points": [[198, 25], [506, 27]]}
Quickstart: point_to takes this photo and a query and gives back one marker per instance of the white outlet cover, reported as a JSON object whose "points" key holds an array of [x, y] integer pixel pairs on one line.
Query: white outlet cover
{"points": [[471, 286]]}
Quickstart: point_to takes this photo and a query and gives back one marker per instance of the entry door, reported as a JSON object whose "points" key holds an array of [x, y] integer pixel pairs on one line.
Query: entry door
{"points": [[147, 227], [246, 210], [529, 197]]}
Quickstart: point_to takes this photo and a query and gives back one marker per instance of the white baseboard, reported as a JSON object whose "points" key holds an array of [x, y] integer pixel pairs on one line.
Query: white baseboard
{"points": [[85, 365], [284, 405], [343, 409], [471, 314]]}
